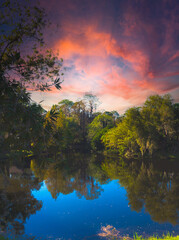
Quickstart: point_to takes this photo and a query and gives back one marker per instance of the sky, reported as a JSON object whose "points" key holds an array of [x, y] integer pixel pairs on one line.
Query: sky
{"points": [[120, 50]]}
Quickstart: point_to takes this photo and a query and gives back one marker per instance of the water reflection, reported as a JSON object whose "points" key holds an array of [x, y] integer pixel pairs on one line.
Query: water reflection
{"points": [[155, 188], [16, 200], [67, 175]]}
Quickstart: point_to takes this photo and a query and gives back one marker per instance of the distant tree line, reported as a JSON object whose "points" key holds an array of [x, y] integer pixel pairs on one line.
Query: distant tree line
{"points": [[75, 125], [140, 131], [145, 130], [26, 128]]}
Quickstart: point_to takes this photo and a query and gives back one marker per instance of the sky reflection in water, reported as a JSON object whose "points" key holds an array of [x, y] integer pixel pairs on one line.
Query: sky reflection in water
{"points": [[73, 198], [69, 217]]}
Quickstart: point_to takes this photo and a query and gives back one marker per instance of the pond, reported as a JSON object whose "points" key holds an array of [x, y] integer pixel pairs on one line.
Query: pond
{"points": [[73, 197]]}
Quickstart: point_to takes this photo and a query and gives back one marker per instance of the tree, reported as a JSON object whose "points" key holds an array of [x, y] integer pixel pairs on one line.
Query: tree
{"points": [[91, 102], [176, 122], [66, 106], [15, 211], [159, 111], [21, 28], [159, 118], [21, 121], [98, 127], [69, 175], [126, 135], [145, 130], [148, 185], [24, 62], [81, 116]]}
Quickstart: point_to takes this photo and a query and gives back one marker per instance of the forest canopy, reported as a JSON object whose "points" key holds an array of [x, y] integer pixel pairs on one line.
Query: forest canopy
{"points": [[74, 126]]}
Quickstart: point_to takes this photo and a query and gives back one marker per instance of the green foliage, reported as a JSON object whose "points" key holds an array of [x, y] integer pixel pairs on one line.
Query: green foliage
{"points": [[91, 101], [99, 126], [145, 130], [159, 120], [24, 63], [63, 131], [68, 174], [71, 126], [165, 237], [13, 212], [65, 105], [22, 56], [153, 184], [21, 121]]}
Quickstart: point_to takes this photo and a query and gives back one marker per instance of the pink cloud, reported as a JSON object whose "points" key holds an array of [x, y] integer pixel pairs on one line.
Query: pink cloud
{"points": [[90, 42], [174, 56], [131, 57], [91, 50], [116, 84]]}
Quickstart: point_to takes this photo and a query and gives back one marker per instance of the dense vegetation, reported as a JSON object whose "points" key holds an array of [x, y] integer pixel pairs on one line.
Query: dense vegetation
{"points": [[153, 127], [22, 67], [75, 126], [138, 132], [26, 128]]}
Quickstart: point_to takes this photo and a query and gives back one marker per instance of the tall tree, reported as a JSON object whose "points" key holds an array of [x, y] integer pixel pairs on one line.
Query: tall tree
{"points": [[66, 106], [98, 127], [146, 130], [23, 57], [24, 62], [91, 102]]}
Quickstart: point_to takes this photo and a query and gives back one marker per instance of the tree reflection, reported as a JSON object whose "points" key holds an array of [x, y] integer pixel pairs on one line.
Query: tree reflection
{"points": [[16, 200], [66, 176], [155, 188], [147, 186]]}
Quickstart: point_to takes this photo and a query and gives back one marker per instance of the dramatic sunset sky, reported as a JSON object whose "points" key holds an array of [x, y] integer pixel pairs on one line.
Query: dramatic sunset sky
{"points": [[120, 50]]}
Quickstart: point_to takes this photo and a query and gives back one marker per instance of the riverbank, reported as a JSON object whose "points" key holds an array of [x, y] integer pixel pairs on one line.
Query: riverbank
{"points": [[168, 237]]}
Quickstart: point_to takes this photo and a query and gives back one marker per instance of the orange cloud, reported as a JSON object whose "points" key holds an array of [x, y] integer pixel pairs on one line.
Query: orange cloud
{"points": [[87, 42], [128, 51], [91, 43], [174, 56], [90, 51], [118, 85]]}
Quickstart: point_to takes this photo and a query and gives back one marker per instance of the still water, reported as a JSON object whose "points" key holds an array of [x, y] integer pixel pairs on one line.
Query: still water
{"points": [[74, 197]]}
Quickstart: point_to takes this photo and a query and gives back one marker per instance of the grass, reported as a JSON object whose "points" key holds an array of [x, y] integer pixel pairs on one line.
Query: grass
{"points": [[167, 237]]}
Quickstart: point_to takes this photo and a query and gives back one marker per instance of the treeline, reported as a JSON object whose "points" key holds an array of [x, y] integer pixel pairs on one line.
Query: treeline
{"points": [[148, 129], [26, 128], [140, 131], [77, 126]]}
